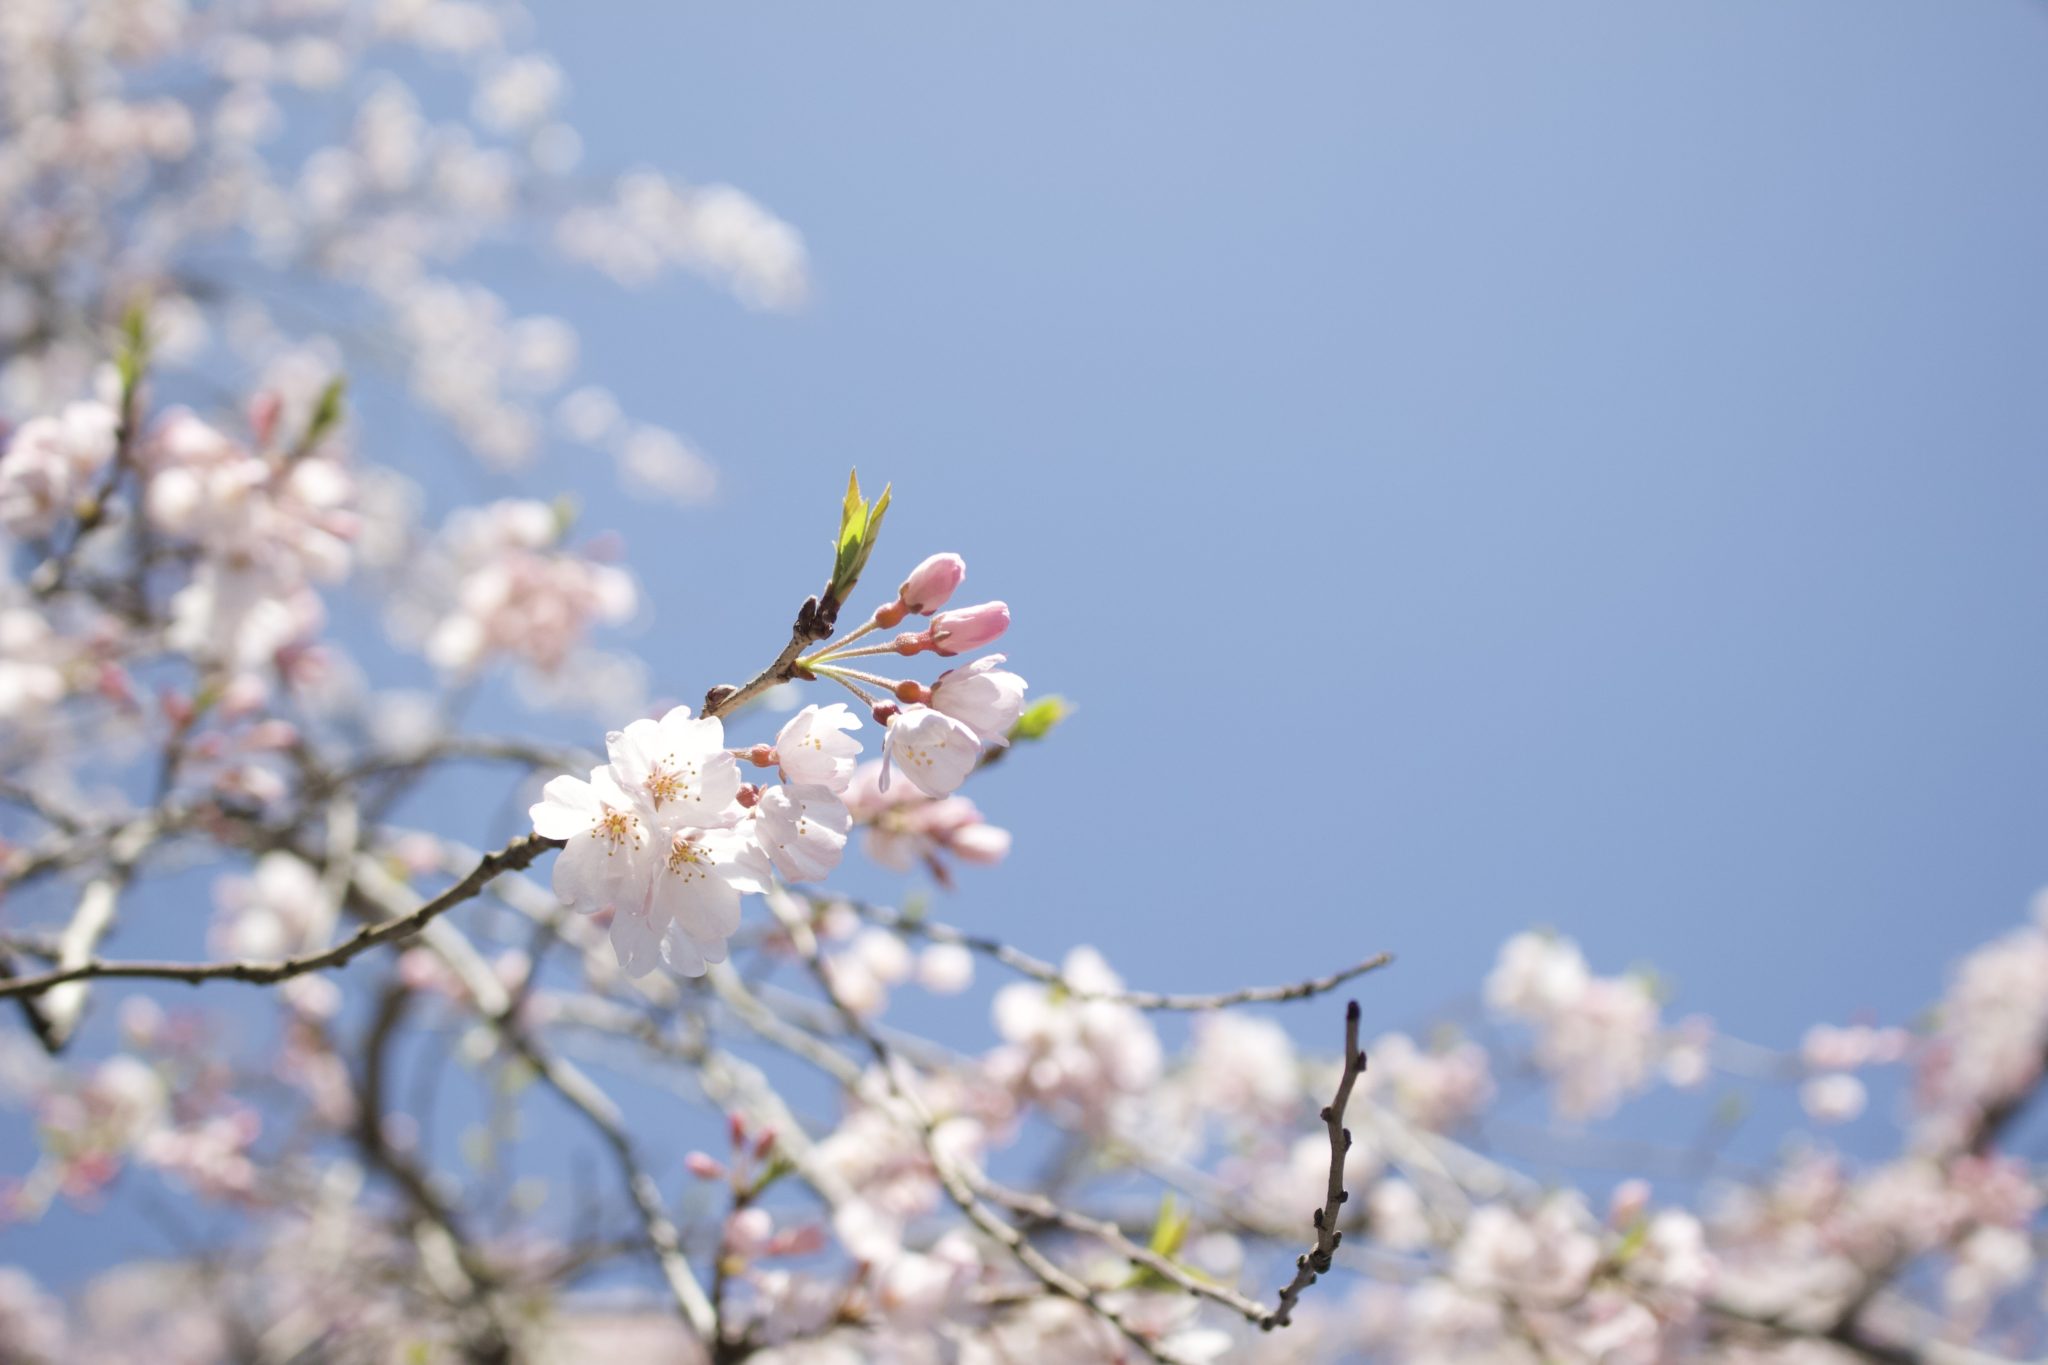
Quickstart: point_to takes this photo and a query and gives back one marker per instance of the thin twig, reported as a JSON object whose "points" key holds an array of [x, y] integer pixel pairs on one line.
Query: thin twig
{"points": [[1316, 1261], [517, 854], [494, 1003], [951, 1178], [1022, 962], [814, 622], [1045, 1210]]}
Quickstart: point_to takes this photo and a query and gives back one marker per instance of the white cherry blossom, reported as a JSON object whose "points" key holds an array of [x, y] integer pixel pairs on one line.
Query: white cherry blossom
{"points": [[679, 768], [814, 747], [935, 751], [983, 696], [803, 829]]}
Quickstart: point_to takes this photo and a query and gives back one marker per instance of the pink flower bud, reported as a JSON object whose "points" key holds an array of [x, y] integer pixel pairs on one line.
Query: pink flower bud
{"points": [[113, 684], [1630, 1200], [177, 708], [264, 410], [931, 583], [704, 1166], [956, 632], [797, 1241]]}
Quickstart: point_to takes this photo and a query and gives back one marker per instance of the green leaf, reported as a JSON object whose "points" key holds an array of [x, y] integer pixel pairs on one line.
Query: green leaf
{"points": [[1040, 717], [133, 357], [565, 509], [326, 414], [874, 530], [853, 526], [1169, 1230], [860, 524]]}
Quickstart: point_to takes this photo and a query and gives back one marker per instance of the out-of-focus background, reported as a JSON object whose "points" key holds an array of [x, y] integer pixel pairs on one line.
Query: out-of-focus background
{"points": [[1473, 466]]}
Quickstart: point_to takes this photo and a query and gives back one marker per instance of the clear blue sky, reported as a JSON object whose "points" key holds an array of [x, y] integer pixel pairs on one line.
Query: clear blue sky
{"points": [[1475, 465]]}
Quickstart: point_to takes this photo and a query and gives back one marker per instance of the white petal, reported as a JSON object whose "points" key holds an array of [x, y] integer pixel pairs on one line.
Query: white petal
{"points": [[682, 955], [935, 751], [804, 829], [568, 807], [590, 876], [636, 938], [700, 901]]}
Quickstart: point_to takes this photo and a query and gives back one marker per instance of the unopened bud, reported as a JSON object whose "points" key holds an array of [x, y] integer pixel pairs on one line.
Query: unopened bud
{"points": [[931, 583], [114, 686], [264, 410], [177, 708], [1631, 1199], [956, 632], [764, 1144], [736, 1128], [797, 1241], [704, 1166]]}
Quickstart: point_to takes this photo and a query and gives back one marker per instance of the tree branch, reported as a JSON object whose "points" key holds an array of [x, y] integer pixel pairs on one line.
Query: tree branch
{"points": [[1022, 962], [515, 855], [1316, 1261]]}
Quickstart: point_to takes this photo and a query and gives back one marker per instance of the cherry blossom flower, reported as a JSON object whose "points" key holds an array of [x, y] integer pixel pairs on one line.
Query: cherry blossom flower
{"points": [[651, 841], [1087, 1053], [813, 746], [983, 697], [905, 829], [517, 592], [935, 751], [51, 464], [279, 910], [803, 829]]}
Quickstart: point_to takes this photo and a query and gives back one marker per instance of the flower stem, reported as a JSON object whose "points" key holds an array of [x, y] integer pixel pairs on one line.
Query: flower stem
{"points": [[839, 676]]}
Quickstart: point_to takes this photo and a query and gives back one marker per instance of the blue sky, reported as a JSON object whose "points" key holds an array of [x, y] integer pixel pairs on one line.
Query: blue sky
{"points": [[1474, 465]]}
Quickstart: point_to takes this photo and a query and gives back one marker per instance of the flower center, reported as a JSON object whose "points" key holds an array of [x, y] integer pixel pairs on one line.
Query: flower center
{"points": [[668, 782], [686, 860], [616, 828]]}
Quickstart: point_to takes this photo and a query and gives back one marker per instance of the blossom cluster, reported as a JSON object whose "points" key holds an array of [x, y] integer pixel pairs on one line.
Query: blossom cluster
{"points": [[664, 838]]}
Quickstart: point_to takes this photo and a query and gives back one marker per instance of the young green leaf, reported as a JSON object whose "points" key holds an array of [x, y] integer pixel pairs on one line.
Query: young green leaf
{"points": [[1040, 717], [860, 522]]}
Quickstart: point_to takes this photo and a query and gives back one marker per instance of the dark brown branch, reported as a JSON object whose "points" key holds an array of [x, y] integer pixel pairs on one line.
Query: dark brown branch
{"points": [[1316, 1261], [814, 622], [511, 858]]}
